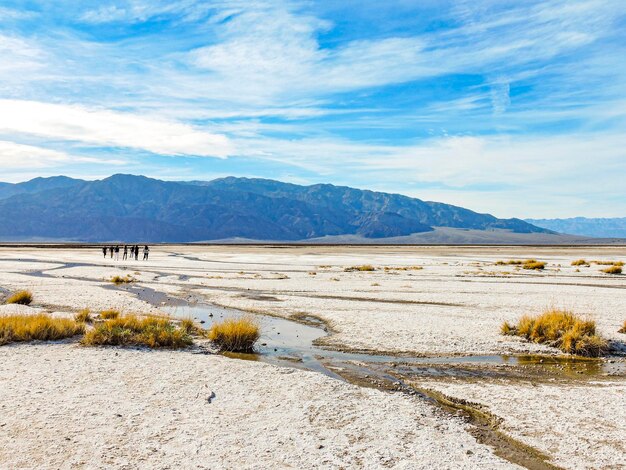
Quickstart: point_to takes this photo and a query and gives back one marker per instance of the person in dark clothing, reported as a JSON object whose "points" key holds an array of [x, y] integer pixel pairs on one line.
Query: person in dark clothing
{"points": [[117, 252], [146, 252], [125, 255], [136, 250], [111, 249], [104, 251]]}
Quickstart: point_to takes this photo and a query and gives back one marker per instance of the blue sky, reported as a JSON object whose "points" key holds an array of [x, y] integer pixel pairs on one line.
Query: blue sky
{"points": [[508, 107]]}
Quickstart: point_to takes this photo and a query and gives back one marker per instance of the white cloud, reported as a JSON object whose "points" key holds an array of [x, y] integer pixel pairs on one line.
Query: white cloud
{"points": [[109, 129], [20, 156]]}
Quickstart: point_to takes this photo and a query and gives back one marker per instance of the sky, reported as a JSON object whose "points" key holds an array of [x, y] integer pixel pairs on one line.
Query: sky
{"points": [[513, 108]]}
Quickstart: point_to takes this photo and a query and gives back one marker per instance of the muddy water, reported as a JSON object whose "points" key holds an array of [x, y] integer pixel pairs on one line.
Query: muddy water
{"points": [[287, 342]]}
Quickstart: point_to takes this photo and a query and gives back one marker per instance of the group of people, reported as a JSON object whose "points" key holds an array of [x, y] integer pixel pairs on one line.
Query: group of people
{"points": [[114, 252]]}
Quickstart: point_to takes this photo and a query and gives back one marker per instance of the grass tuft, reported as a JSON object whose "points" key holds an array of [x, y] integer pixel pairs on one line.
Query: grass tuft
{"points": [[84, 316], [131, 330], [613, 270], [22, 297], [561, 329], [580, 262], [117, 280], [109, 314], [623, 328], [364, 267], [403, 268], [14, 328], [235, 334], [534, 264], [189, 326]]}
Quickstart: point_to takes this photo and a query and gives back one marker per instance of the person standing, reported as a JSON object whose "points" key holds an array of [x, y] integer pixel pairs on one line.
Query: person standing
{"points": [[104, 251], [117, 252], [125, 255], [111, 251], [136, 250], [146, 252]]}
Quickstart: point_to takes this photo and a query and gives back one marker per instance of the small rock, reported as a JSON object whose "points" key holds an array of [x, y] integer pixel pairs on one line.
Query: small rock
{"points": [[469, 452]]}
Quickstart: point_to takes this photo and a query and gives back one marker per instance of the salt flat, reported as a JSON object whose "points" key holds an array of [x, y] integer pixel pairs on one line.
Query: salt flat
{"points": [[453, 305]]}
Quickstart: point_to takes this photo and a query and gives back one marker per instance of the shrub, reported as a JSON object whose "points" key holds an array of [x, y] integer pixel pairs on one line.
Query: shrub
{"points": [[131, 330], [562, 329], [613, 270], [22, 297], [364, 267], [507, 329], [122, 280], [189, 326], [608, 263], [511, 261], [109, 314], [580, 262], [84, 316], [37, 327], [235, 334], [533, 264], [623, 328]]}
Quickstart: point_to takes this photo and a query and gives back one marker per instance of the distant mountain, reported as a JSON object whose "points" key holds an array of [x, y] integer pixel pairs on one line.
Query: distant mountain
{"points": [[36, 185], [136, 208], [583, 226]]}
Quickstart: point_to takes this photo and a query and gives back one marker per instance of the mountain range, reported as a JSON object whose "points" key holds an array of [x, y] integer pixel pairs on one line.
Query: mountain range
{"points": [[136, 208], [583, 226]]}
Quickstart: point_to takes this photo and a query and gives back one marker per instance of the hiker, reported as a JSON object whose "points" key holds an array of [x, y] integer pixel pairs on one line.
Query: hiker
{"points": [[117, 252], [146, 252], [136, 250], [111, 251], [125, 255], [104, 251]]}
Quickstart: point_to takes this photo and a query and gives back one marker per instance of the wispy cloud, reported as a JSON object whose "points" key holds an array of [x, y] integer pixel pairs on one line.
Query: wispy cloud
{"points": [[19, 156], [108, 128]]}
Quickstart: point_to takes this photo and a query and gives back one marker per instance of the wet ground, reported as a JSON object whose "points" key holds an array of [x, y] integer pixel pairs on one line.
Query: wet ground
{"points": [[293, 344]]}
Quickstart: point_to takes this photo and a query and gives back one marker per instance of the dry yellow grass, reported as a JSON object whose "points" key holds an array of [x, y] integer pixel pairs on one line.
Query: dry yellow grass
{"points": [[122, 279], [235, 334], [613, 270], [562, 329], [580, 262], [534, 264], [608, 263], [511, 261], [131, 330], [623, 328], [109, 314], [364, 267], [190, 326], [84, 316], [41, 327], [22, 297]]}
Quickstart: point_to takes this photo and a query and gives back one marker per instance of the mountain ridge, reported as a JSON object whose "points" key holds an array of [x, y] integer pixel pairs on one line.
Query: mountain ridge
{"points": [[129, 207], [605, 227]]}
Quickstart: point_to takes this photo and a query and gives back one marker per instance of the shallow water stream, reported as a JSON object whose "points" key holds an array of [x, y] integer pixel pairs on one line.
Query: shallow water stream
{"points": [[293, 343]]}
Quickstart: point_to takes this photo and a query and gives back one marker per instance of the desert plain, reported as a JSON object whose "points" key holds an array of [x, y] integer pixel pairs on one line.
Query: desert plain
{"points": [[473, 399]]}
